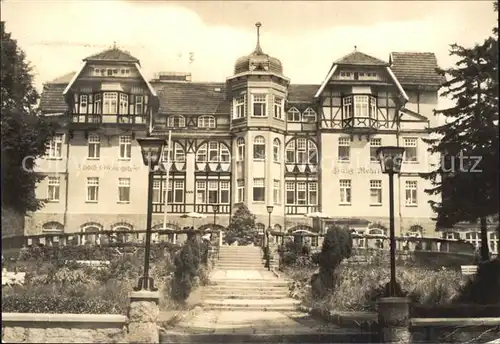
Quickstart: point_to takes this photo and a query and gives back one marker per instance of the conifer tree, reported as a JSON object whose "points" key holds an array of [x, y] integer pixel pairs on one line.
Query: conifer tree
{"points": [[467, 177], [24, 134]]}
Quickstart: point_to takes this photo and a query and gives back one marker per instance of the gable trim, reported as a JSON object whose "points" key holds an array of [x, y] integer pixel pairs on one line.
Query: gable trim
{"points": [[403, 93], [328, 77], [73, 79], [151, 89], [419, 117]]}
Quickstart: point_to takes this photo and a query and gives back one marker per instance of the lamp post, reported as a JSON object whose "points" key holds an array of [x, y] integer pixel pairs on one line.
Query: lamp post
{"points": [[390, 161], [215, 209], [151, 149], [268, 255]]}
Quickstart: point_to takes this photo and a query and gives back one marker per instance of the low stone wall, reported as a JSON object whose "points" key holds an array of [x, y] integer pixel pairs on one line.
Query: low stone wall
{"points": [[430, 330], [63, 328]]}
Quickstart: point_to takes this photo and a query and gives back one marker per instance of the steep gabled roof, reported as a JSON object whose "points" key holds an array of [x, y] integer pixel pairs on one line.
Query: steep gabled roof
{"points": [[301, 93], [357, 58], [414, 68], [112, 54], [52, 99], [192, 98], [64, 79]]}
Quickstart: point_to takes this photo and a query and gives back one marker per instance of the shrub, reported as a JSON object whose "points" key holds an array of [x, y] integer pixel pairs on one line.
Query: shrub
{"points": [[242, 227], [337, 246], [188, 267]]}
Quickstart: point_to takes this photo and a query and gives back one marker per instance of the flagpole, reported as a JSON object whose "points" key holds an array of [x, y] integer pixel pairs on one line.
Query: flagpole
{"points": [[169, 149]]}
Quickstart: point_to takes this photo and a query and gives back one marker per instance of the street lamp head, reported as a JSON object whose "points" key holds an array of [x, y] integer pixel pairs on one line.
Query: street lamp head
{"points": [[215, 208], [270, 209], [390, 158], [151, 149]]}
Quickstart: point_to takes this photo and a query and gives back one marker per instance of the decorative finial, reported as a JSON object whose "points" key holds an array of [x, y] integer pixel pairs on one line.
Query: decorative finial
{"points": [[355, 48], [258, 49], [114, 44]]}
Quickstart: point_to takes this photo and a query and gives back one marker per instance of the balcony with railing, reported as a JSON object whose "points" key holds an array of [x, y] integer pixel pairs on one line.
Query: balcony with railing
{"points": [[184, 208], [108, 119]]}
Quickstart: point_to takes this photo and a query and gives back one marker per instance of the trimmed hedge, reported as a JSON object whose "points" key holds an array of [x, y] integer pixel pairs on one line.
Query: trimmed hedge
{"points": [[454, 311]]}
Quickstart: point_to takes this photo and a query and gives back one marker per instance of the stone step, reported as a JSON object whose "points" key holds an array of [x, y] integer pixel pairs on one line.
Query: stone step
{"points": [[247, 296], [247, 289], [250, 308], [283, 304], [318, 338], [251, 283], [239, 259], [243, 266], [255, 268], [239, 256]]}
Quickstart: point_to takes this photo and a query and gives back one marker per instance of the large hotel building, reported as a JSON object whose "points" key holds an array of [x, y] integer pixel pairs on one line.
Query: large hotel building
{"points": [[255, 139]]}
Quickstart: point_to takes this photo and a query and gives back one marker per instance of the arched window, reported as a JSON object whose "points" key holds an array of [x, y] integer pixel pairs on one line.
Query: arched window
{"points": [[240, 143], [277, 228], [276, 150], [213, 151], [259, 148], [260, 227], [309, 116], [92, 230], [52, 227], [123, 232], [206, 122], [176, 121], [293, 115], [301, 151], [177, 153], [474, 238]]}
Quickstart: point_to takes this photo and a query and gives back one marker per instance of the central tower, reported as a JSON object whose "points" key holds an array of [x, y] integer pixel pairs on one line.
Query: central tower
{"points": [[258, 90]]}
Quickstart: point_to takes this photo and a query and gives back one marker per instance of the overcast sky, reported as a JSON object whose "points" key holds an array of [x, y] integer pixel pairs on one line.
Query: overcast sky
{"points": [[306, 36]]}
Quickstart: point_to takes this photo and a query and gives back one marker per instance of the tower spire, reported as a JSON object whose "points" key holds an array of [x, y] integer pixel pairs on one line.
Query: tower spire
{"points": [[258, 49]]}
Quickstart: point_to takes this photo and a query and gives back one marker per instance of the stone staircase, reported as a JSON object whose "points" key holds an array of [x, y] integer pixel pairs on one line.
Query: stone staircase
{"points": [[241, 282]]}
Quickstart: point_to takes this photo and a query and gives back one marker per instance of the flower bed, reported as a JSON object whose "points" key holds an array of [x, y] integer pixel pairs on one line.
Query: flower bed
{"points": [[54, 285]]}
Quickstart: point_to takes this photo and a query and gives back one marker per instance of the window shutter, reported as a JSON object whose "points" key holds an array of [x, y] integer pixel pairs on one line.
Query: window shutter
{"points": [[131, 104]]}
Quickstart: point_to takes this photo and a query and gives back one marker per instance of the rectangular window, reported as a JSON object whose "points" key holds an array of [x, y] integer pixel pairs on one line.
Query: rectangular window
{"points": [[347, 107], [373, 108], [411, 193], [313, 193], [361, 108], [345, 76], [125, 144], [53, 189], [84, 101], [259, 105], [139, 105], [410, 145], [213, 191], [97, 104], [94, 143], [259, 190], [290, 192], [92, 189], [278, 107], [201, 192], [374, 145], [156, 191], [301, 151], [110, 106], [176, 191], [55, 147], [123, 104], [344, 149], [123, 190], [241, 191], [239, 107], [277, 191], [224, 191], [301, 193], [345, 191], [375, 192]]}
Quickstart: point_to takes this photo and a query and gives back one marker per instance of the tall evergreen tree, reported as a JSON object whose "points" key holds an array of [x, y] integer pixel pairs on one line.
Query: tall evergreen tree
{"points": [[24, 134], [467, 177]]}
